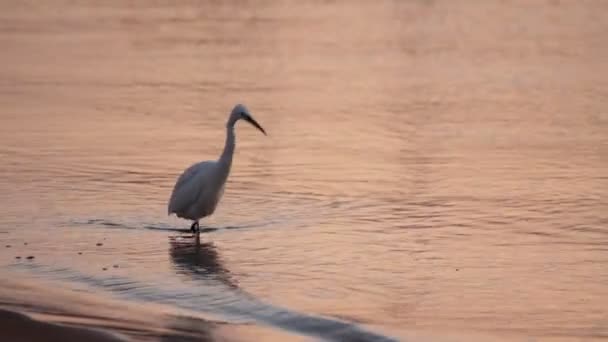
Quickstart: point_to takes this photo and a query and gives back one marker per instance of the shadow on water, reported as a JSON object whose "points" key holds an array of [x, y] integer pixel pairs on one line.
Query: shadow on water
{"points": [[187, 329], [198, 260]]}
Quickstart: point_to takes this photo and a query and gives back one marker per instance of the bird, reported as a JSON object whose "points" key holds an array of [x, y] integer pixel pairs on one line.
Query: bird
{"points": [[200, 187]]}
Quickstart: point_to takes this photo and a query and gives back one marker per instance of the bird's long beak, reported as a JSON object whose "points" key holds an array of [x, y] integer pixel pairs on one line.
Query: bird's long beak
{"points": [[255, 123]]}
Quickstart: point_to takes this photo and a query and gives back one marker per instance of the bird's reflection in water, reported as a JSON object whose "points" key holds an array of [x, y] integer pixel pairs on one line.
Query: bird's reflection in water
{"points": [[198, 260]]}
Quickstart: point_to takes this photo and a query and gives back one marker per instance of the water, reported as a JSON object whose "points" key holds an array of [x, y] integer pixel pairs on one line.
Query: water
{"points": [[434, 170]]}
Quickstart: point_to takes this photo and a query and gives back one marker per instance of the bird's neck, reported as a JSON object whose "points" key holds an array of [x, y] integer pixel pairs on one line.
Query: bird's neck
{"points": [[226, 157]]}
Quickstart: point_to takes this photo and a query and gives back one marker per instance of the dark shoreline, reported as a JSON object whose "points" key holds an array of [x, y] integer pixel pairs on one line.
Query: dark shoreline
{"points": [[19, 327]]}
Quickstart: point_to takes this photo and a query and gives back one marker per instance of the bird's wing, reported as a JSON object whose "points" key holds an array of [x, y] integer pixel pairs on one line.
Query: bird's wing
{"points": [[188, 187]]}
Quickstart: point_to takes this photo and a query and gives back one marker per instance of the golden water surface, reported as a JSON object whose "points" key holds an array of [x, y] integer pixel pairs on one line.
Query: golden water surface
{"points": [[434, 170]]}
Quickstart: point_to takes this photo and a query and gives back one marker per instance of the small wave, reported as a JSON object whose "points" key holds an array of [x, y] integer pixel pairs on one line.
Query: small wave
{"points": [[161, 227], [234, 305]]}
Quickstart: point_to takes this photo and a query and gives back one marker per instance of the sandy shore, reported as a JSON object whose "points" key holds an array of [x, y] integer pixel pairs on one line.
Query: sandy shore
{"points": [[18, 327]]}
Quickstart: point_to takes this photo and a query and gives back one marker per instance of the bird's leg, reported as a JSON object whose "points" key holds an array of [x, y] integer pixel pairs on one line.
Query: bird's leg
{"points": [[194, 227]]}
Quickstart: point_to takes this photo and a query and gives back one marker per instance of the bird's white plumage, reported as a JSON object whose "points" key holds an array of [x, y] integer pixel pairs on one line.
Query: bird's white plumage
{"points": [[190, 198], [200, 187]]}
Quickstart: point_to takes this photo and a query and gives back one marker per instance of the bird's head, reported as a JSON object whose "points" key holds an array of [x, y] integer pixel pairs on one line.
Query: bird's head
{"points": [[241, 112]]}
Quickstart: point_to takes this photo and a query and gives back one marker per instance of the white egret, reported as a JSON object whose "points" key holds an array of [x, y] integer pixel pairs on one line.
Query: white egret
{"points": [[200, 187]]}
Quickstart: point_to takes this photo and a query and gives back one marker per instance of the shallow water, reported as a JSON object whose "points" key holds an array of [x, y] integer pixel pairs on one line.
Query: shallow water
{"points": [[434, 170]]}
